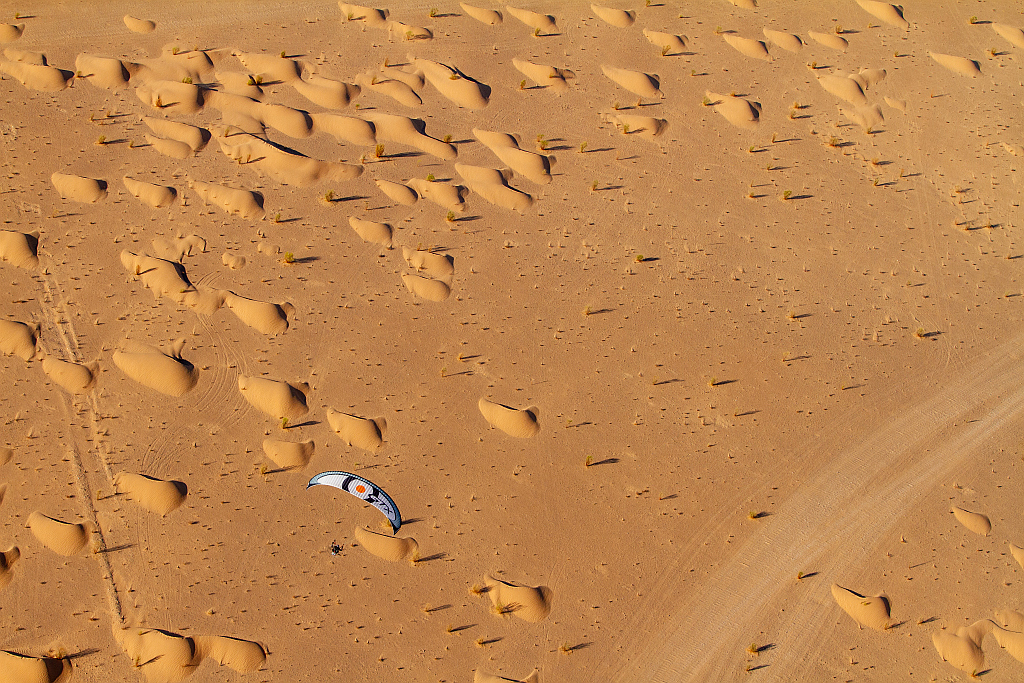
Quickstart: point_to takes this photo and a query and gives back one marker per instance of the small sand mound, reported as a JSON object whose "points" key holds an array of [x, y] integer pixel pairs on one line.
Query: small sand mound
{"points": [[242, 203], [1010, 619], [361, 432], [18, 339], [453, 84], [974, 521], [480, 676], [403, 194], [636, 82], [1010, 640], [19, 668], [384, 546], [890, 14], [410, 132], [535, 20], [872, 612], [193, 136], [27, 56], [164, 371], [867, 117], [177, 248], [534, 167], [284, 165], [426, 288], [960, 65], [487, 16], [437, 266], [514, 422], [401, 31], [157, 196], [745, 4], [869, 77], [11, 32], [289, 454], [619, 18], [171, 96], [168, 657], [830, 40], [103, 72], [377, 18], [244, 656], [63, 538], [160, 276], [445, 195], [1017, 553], [900, 105], [670, 43], [232, 261], [139, 25], [963, 648], [275, 398], [492, 185], [294, 123], [7, 560], [156, 495], [550, 77], [370, 231], [843, 87], [79, 189], [787, 41], [326, 92], [529, 603], [74, 378], [38, 77], [647, 127], [170, 148], [748, 46], [19, 248], [1010, 33], [262, 316], [346, 128], [736, 110], [401, 92], [271, 67], [5, 455]]}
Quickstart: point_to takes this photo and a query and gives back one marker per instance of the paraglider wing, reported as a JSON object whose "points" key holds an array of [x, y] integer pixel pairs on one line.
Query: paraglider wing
{"points": [[361, 488]]}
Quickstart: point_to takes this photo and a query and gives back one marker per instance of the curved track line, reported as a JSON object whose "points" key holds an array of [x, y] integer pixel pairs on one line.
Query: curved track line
{"points": [[830, 523]]}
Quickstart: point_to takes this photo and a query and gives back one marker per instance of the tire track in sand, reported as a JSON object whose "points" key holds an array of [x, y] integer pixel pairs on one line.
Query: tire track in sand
{"points": [[830, 523]]}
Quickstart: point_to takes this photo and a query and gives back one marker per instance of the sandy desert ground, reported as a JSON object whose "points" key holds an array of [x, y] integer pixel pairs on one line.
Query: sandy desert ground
{"points": [[685, 335]]}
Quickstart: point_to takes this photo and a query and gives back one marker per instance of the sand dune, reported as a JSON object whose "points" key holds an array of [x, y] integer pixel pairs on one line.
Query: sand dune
{"points": [[1010, 619], [26, 56], [162, 277], [361, 432], [453, 84], [74, 378], [19, 668], [396, 90], [177, 248], [670, 43], [869, 77], [830, 40], [239, 83], [409, 75], [843, 87], [244, 656], [139, 25], [37, 77], [886, 12], [232, 261], [262, 316], [974, 521], [787, 41], [18, 339], [1017, 553], [648, 127], [157, 196], [275, 398], [636, 82], [960, 65], [1011, 640], [282, 165], [170, 148], [325, 92], [11, 32], [63, 538], [619, 18], [370, 231], [385, 546], [867, 117], [900, 105], [242, 203], [520, 423], [492, 186], [436, 266], [410, 132], [529, 603], [79, 189], [535, 20], [371, 17], [427, 288], [748, 46], [1010, 33], [445, 195], [870, 611], [173, 97], [193, 136], [403, 194], [5, 455], [398, 30], [479, 676], [488, 16], [168, 657], [155, 495], [346, 128], [736, 110], [532, 166], [963, 648], [103, 72], [549, 77], [7, 560], [289, 454], [294, 123], [163, 370], [271, 67], [19, 248]]}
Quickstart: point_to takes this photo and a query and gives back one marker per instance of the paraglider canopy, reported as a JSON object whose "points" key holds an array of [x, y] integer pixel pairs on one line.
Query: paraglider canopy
{"points": [[361, 488]]}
